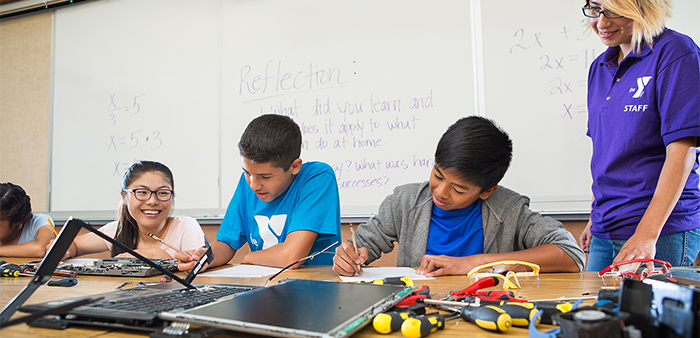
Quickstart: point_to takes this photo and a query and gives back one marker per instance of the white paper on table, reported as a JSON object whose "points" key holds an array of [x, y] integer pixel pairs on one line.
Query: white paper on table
{"points": [[243, 270], [370, 274]]}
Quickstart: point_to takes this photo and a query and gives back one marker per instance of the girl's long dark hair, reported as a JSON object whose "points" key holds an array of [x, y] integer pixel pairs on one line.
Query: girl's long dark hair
{"points": [[15, 207], [127, 228]]}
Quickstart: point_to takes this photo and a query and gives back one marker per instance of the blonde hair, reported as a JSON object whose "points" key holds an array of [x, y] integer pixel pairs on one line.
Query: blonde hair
{"points": [[649, 17]]}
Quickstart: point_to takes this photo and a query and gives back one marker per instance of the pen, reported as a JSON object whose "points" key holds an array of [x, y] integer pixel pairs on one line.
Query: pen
{"points": [[354, 243], [51, 224], [166, 244]]}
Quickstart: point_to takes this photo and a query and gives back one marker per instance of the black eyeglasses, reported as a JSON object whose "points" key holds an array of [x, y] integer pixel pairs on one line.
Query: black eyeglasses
{"points": [[591, 12], [141, 194]]}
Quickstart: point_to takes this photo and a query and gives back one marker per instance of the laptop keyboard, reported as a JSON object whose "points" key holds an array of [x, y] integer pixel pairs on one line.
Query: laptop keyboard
{"points": [[170, 301]]}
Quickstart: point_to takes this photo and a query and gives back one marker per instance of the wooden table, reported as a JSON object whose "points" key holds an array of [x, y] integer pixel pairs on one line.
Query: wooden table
{"points": [[552, 285]]}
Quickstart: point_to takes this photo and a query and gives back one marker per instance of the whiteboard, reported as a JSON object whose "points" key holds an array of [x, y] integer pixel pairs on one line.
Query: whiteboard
{"points": [[372, 84]]}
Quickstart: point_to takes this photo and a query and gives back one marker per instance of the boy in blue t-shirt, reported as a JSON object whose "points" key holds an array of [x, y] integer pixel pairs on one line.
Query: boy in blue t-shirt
{"points": [[283, 209]]}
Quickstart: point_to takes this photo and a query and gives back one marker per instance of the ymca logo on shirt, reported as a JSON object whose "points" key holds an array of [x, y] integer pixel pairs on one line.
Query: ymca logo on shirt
{"points": [[641, 83], [270, 229]]}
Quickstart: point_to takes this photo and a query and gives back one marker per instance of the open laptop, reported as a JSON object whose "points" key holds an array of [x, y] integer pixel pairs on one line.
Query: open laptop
{"points": [[119, 308], [298, 308]]}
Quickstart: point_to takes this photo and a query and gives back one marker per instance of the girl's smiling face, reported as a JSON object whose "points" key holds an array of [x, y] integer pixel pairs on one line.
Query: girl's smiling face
{"points": [[152, 213]]}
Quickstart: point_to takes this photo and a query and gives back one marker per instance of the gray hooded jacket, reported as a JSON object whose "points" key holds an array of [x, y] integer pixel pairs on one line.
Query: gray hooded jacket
{"points": [[508, 225]]}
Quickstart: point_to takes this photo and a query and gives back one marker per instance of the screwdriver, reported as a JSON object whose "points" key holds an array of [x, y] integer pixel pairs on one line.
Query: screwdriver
{"points": [[392, 281], [10, 270], [391, 321], [423, 326], [521, 313], [488, 317]]}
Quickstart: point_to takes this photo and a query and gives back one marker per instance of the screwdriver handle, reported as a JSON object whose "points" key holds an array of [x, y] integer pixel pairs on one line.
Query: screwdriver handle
{"points": [[551, 308], [520, 313], [422, 326], [391, 321], [487, 317], [9, 272]]}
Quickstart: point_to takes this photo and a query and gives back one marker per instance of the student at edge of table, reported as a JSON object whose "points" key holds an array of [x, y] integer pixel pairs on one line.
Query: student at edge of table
{"points": [[22, 233], [461, 218], [283, 208]]}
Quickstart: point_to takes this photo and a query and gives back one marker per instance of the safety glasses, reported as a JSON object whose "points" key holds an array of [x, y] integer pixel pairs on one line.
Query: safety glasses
{"points": [[615, 273], [511, 274]]}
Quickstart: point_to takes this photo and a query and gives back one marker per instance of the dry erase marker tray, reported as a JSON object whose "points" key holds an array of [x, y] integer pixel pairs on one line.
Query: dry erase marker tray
{"points": [[130, 267]]}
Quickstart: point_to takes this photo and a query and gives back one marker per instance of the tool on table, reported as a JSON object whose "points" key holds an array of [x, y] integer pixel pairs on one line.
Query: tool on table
{"points": [[485, 282], [423, 326], [487, 317], [391, 321], [522, 309], [492, 318], [12, 270], [63, 282], [120, 286], [392, 281]]}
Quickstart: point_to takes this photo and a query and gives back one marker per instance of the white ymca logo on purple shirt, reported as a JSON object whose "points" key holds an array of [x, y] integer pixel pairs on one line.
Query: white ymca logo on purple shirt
{"points": [[641, 83], [270, 229]]}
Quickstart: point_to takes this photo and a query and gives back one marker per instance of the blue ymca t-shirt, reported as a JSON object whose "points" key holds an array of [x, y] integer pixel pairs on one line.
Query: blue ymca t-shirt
{"points": [[310, 203], [456, 233], [634, 111]]}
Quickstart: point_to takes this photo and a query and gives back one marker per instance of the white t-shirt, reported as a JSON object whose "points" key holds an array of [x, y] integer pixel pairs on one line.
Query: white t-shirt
{"points": [[183, 233]]}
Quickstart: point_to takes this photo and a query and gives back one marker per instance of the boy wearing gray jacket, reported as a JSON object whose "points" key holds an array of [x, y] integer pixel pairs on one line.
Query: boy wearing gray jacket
{"points": [[461, 218]]}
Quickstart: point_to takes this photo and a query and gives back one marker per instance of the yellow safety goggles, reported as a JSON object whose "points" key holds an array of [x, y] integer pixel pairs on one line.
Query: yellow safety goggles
{"points": [[615, 273], [511, 274]]}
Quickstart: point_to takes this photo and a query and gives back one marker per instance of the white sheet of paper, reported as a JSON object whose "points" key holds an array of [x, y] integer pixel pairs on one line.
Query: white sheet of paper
{"points": [[371, 274], [243, 270]]}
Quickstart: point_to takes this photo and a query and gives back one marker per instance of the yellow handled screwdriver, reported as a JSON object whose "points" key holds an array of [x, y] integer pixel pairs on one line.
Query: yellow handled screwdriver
{"points": [[391, 321], [391, 281], [487, 317], [423, 326]]}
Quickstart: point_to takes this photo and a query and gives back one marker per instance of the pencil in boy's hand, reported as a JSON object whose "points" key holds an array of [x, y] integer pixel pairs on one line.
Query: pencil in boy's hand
{"points": [[354, 243], [166, 244]]}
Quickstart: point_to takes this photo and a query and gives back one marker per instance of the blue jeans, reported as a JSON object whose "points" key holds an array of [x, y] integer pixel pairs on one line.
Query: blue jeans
{"points": [[679, 249]]}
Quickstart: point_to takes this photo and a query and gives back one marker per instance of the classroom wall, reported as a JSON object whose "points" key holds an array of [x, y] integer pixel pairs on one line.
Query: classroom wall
{"points": [[25, 74]]}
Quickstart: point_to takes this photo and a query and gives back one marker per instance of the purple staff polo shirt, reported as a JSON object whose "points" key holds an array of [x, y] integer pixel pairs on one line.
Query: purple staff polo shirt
{"points": [[634, 111]]}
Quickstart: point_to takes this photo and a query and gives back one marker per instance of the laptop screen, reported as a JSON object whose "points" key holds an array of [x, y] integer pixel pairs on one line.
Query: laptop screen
{"points": [[306, 308]]}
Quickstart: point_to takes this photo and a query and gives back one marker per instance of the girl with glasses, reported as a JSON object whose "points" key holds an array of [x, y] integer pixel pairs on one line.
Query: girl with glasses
{"points": [[644, 123], [146, 203]]}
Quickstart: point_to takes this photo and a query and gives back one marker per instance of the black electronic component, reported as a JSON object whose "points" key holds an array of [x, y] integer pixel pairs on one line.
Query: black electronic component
{"points": [[591, 322]]}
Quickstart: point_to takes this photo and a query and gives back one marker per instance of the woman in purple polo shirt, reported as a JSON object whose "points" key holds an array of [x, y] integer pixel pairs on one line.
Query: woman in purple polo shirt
{"points": [[644, 123]]}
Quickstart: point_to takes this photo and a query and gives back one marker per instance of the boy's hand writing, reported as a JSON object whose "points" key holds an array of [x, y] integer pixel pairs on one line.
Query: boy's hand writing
{"points": [[433, 266], [187, 262], [346, 262]]}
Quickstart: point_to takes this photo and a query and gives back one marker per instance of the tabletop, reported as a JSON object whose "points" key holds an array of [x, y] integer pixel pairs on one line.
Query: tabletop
{"points": [[551, 285]]}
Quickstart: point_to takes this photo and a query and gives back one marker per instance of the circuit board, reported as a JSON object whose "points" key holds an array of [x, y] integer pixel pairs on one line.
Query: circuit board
{"points": [[130, 267]]}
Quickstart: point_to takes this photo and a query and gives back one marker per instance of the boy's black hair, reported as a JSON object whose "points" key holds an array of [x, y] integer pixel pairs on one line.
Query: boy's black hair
{"points": [[271, 138], [477, 150]]}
